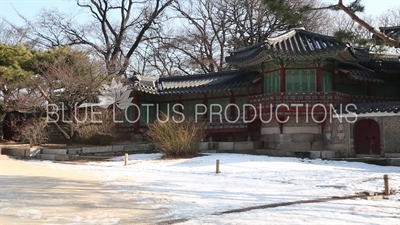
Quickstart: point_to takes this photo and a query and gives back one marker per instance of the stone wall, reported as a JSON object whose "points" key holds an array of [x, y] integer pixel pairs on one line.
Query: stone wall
{"points": [[293, 141], [294, 124], [391, 140], [298, 134], [336, 137], [339, 135]]}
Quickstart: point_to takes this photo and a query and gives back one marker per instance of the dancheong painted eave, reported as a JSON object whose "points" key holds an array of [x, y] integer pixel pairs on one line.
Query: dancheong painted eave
{"points": [[297, 43]]}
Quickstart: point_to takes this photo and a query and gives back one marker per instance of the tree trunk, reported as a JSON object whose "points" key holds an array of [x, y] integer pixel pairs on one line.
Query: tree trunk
{"points": [[388, 40], [2, 116]]}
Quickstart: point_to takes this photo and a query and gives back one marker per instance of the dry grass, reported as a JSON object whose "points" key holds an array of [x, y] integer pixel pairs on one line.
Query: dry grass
{"points": [[175, 139]]}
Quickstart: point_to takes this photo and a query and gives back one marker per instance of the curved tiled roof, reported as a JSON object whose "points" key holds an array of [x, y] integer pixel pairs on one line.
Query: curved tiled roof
{"points": [[393, 32], [199, 83], [359, 73], [144, 84], [388, 66], [297, 43]]}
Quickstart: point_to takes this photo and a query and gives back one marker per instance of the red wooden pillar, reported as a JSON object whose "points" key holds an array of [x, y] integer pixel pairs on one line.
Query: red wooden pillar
{"points": [[283, 78], [319, 78], [136, 101]]}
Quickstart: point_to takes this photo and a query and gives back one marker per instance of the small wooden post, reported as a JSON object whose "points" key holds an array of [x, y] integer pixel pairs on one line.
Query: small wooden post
{"points": [[386, 180], [126, 159], [217, 167]]}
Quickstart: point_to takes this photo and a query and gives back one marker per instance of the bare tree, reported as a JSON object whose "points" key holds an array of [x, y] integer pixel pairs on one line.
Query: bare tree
{"points": [[212, 28], [164, 60], [67, 79], [390, 18], [117, 29], [11, 35]]}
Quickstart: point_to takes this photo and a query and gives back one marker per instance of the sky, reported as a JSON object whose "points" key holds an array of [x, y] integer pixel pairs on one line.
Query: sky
{"points": [[30, 8]]}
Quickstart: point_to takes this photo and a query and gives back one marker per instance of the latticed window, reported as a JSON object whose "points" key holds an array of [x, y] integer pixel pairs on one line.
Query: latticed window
{"points": [[272, 82], [326, 81], [301, 81]]}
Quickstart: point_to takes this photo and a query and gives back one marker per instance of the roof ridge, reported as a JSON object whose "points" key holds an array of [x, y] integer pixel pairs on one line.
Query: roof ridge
{"points": [[248, 47], [202, 75], [295, 31], [287, 34]]}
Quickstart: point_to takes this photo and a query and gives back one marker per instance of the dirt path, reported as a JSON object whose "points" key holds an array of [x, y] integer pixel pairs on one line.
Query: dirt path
{"points": [[40, 193]]}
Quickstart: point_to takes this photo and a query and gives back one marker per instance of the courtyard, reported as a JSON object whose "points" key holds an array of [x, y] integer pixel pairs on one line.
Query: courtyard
{"points": [[150, 190]]}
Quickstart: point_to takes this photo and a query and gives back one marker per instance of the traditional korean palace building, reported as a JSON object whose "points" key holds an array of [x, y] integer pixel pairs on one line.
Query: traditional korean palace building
{"points": [[304, 94]]}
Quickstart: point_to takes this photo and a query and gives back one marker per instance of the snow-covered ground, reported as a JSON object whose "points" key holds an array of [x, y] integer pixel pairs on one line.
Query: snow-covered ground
{"points": [[190, 189]]}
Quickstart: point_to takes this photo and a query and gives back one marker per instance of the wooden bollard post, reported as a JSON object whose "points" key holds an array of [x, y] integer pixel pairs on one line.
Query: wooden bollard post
{"points": [[126, 159], [217, 167], [387, 187]]}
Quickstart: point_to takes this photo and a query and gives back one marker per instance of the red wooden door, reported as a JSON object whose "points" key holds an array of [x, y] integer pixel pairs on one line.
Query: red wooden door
{"points": [[367, 138]]}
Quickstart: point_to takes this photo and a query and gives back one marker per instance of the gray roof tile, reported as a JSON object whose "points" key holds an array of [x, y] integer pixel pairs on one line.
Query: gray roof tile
{"points": [[199, 83], [359, 73], [297, 43]]}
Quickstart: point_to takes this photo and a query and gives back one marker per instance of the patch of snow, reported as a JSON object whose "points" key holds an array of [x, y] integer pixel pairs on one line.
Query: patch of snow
{"points": [[190, 188]]}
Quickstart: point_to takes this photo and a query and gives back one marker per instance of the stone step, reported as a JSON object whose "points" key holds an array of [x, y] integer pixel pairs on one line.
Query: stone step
{"points": [[55, 157], [54, 151], [138, 147], [392, 155], [246, 146], [51, 157], [22, 152], [324, 154]]}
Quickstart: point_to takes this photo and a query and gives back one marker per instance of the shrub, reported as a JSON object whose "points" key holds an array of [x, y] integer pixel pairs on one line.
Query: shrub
{"points": [[100, 139], [176, 139], [99, 133], [32, 130]]}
